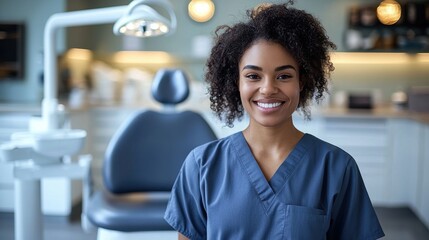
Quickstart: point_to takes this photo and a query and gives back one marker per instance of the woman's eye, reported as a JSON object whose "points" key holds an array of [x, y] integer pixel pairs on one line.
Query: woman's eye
{"points": [[284, 76], [252, 76]]}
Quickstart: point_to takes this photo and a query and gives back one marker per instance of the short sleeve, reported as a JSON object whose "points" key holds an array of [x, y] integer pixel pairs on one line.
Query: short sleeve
{"points": [[353, 216], [185, 210]]}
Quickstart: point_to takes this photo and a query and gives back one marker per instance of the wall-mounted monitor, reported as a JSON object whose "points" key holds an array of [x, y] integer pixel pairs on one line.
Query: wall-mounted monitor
{"points": [[11, 50]]}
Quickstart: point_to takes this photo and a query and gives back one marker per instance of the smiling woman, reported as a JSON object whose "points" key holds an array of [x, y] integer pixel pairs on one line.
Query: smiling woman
{"points": [[288, 183]]}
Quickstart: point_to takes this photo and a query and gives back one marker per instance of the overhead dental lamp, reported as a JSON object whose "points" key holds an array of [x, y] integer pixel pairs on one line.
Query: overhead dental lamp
{"points": [[143, 21]]}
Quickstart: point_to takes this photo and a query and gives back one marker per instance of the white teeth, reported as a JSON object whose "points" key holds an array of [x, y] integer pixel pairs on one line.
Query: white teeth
{"points": [[268, 105]]}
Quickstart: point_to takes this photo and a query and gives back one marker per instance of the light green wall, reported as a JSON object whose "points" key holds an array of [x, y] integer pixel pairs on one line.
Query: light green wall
{"points": [[330, 12], [34, 14]]}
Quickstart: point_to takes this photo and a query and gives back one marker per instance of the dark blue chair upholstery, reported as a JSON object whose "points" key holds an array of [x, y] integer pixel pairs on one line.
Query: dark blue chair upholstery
{"points": [[143, 159]]}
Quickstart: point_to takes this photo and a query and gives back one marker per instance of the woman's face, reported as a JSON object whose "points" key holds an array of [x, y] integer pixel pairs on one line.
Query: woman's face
{"points": [[269, 84]]}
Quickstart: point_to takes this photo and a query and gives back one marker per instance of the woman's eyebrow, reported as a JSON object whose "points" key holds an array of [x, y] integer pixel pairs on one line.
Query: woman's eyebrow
{"points": [[284, 67], [252, 67]]}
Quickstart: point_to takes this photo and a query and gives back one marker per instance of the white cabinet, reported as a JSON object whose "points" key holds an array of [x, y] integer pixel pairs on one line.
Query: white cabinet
{"points": [[404, 158], [423, 187], [9, 123], [366, 140], [6, 187]]}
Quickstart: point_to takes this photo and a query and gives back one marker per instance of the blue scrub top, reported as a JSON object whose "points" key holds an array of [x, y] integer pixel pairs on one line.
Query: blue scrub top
{"points": [[317, 193]]}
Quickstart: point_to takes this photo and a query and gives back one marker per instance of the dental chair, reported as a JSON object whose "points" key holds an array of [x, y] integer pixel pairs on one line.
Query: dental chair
{"points": [[143, 159]]}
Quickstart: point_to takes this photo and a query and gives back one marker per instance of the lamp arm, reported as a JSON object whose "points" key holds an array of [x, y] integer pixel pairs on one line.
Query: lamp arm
{"points": [[162, 3], [79, 18], [55, 22]]}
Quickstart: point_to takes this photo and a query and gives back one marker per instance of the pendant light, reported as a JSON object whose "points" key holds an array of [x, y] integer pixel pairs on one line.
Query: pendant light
{"points": [[389, 12], [201, 10]]}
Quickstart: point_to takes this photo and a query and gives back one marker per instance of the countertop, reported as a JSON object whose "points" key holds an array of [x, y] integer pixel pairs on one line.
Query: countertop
{"points": [[326, 112], [379, 112]]}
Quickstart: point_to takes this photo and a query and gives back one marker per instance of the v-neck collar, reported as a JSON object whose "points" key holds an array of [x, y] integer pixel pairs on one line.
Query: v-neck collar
{"points": [[267, 190]]}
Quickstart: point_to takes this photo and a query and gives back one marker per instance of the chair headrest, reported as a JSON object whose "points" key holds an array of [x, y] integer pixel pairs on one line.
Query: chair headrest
{"points": [[170, 86]]}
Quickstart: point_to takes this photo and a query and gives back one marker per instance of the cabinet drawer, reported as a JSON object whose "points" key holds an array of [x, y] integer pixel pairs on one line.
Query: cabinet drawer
{"points": [[14, 120], [362, 124], [368, 155], [355, 132], [376, 186], [6, 173], [7, 197]]}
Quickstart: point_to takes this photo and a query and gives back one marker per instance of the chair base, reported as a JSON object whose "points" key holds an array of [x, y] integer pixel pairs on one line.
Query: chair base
{"points": [[105, 234]]}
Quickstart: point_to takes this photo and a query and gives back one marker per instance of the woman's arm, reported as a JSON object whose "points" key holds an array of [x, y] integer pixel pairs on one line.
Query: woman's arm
{"points": [[181, 237]]}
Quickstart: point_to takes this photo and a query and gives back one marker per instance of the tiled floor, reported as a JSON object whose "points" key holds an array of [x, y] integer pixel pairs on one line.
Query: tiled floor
{"points": [[56, 228], [398, 224], [401, 224]]}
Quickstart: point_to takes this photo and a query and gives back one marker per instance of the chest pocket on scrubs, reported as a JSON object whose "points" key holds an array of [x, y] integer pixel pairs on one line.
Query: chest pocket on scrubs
{"points": [[305, 223]]}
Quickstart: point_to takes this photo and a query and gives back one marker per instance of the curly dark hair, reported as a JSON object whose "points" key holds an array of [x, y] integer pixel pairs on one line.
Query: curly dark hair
{"points": [[297, 31]]}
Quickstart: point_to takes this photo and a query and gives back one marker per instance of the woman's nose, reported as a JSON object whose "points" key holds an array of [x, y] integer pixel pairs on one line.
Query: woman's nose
{"points": [[268, 87]]}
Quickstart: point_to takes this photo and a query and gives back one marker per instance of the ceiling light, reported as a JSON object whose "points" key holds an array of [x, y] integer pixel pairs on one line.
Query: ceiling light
{"points": [[201, 10]]}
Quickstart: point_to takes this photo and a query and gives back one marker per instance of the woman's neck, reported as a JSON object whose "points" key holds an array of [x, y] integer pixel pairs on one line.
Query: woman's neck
{"points": [[271, 146], [272, 137]]}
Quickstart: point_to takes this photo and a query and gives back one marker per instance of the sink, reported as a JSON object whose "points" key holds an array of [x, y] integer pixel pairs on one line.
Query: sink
{"points": [[43, 147], [59, 142]]}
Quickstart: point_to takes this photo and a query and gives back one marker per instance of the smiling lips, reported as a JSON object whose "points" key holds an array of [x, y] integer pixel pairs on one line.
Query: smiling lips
{"points": [[270, 105]]}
